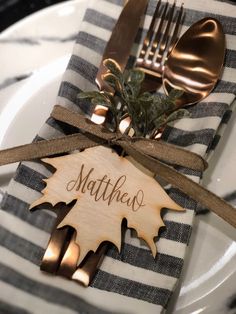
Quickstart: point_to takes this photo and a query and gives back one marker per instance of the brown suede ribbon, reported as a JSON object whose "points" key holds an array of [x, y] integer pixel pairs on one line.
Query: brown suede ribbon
{"points": [[153, 155]]}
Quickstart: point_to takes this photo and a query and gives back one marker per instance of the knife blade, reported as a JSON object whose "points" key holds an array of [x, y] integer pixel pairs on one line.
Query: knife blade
{"points": [[122, 37], [119, 47]]}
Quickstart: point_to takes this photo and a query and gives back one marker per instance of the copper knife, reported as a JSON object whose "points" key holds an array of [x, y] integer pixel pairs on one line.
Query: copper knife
{"points": [[119, 46]]}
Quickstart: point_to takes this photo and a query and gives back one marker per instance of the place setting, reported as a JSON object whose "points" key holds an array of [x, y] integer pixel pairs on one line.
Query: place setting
{"points": [[125, 200]]}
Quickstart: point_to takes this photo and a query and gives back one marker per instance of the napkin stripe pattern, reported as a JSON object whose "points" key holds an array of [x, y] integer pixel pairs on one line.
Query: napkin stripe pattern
{"points": [[8, 308], [131, 280]]}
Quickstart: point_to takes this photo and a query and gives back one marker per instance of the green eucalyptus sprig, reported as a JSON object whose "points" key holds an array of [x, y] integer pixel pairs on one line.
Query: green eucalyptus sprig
{"points": [[149, 113]]}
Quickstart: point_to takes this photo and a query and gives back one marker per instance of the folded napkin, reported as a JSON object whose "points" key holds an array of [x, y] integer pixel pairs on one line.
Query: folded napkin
{"points": [[132, 281]]}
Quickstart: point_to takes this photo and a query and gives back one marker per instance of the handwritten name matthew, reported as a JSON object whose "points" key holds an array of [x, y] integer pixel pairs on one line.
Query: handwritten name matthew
{"points": [[104, 189]]}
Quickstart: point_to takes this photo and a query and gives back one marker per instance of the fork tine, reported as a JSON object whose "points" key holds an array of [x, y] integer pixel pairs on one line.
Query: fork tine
{"points": [[176, 30], [164, 41], [159, 43], [158, 34], [150, 33]]}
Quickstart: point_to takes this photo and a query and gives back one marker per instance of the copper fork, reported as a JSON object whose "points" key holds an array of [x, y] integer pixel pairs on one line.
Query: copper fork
{"points": [[158, 44], [155, 50]]}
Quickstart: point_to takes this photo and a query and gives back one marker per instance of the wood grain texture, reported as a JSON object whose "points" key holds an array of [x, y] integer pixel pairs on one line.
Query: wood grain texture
{"points": [[108, 188]]}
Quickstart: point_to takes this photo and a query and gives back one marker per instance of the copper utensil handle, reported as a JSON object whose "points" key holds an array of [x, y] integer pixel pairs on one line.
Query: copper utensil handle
{"points": [[85, 273], [70, 258], [55, 250]]}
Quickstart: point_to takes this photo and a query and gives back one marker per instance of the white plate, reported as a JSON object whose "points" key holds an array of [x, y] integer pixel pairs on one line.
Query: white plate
{"points": [[39, 47]]}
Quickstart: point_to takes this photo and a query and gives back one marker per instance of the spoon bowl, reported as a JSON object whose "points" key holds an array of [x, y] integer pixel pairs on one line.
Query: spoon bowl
{"points": [[195, 63]]}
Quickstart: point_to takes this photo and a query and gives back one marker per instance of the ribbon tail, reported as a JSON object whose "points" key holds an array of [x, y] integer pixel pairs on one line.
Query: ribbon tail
{"points": [[186, 185], [46, 148], [171, 154]]}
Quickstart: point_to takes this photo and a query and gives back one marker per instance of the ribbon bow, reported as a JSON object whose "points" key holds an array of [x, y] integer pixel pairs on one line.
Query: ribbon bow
{"points": [[153, 155]]}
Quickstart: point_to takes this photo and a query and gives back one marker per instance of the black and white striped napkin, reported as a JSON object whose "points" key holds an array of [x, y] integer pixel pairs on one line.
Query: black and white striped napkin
{"points": [[130, 282]]}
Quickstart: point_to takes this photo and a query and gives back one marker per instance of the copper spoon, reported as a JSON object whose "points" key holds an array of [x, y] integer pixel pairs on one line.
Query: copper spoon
{"points": [[196, 61]]}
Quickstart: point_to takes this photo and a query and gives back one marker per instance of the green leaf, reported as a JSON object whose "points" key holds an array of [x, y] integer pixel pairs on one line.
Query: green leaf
{"points": [[135, 107], [100, 101], [133, 89], [136, 76], [113, 67], [157, 99], [163, 104], [146, 101], [179, 114], [160, 121], [92, 94], [168, 105], [113, 81], [175, 93], [146, 97]]}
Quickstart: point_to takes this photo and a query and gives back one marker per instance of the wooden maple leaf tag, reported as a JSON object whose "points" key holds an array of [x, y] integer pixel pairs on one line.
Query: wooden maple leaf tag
{"points": [[108, 188]]}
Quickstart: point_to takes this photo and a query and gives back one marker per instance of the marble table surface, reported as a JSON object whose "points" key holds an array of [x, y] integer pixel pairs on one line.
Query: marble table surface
{"points": [[12, 11]]}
